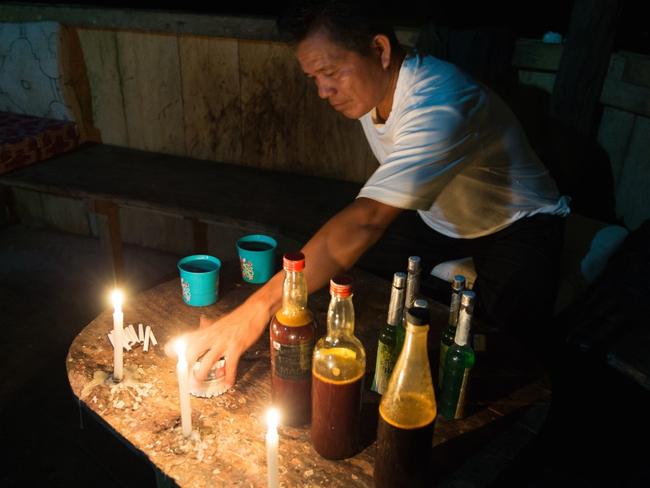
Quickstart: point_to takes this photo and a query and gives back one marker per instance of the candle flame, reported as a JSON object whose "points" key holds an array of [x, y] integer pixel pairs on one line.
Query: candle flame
{"points": [[272, 418], [117, 297], [180, 347]]}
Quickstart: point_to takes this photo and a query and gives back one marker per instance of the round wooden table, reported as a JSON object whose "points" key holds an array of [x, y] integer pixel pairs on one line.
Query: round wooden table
{"points": [[227, 447]]}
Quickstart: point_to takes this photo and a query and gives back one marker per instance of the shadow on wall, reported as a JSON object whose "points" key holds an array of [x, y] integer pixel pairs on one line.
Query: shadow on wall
{"points": [[579, 165]]}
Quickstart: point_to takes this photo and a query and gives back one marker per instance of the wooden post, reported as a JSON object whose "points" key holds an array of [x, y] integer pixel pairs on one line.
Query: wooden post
{"points": [[581, 170], [9, 213], [110, 236], [200, 234]]}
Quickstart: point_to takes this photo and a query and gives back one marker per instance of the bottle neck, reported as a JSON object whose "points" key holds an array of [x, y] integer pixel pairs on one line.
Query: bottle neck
{"points": [[340, 316], [396, 307], [454, 308], [462, 330], [415, 342], [294, 292]]}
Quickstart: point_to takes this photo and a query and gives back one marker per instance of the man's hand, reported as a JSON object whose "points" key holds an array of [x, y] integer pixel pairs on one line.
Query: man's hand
{"points": [[227, 337]]}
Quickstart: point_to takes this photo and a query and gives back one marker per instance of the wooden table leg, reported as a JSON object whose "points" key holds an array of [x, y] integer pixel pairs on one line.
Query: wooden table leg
{"points": [[108, 224], [200, 234]]}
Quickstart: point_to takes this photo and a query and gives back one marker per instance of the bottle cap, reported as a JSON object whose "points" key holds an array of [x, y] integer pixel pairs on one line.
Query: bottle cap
{"points": [[417, 316], [414, 264], [341, 286], [399, 280], [458, 283], [467, 298], [421, 303], [293, 261]]}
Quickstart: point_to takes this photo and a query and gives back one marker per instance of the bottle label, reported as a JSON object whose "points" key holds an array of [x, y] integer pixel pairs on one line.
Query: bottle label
{"points": [[460, 406], [293, 361], [383, 368]]}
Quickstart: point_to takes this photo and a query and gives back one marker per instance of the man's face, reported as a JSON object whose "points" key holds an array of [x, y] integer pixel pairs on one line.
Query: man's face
{"points": [[351, 83]]}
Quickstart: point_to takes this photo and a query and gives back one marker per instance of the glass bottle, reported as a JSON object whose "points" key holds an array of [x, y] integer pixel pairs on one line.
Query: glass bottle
{"points": [[458, 364], [407, 412], [412, 290], [386, 353], [292, 343], [447, 338], [338, 371]]}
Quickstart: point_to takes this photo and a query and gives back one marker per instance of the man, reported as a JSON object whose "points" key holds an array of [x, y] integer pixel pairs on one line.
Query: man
{"points": [[447, 147]]}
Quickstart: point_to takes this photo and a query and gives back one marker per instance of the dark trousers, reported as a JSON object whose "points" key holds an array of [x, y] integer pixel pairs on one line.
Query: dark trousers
{"points": [[517, 269]]}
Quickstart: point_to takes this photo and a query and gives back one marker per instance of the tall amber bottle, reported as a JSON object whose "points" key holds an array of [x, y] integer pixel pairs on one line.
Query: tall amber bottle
{"points": [[407, 412], [338, 371], [292, 343]]}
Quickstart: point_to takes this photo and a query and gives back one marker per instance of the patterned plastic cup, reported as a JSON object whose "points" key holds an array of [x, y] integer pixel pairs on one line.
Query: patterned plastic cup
{"points": [[199, 279], [256, 257]]}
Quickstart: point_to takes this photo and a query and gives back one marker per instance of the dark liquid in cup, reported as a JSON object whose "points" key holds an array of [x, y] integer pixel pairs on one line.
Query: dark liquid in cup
{"points": [[403, 455], [336, 416], [291, 354], [199, 266], [255, 246]]}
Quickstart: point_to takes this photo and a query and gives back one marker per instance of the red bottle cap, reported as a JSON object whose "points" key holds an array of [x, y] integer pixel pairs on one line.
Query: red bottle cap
{"points": [[341, 286], [293, 261]]}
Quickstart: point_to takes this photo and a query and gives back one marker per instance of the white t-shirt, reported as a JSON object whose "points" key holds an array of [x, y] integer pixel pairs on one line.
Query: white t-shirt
{"points": [[452, 150]]}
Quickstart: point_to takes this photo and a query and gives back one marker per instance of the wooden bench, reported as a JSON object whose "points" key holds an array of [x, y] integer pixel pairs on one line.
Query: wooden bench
{"points": [[124, 194]]}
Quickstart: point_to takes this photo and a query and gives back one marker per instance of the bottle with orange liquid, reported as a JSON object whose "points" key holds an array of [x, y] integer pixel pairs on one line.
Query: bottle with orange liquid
{"points": [[407, 412], [338, 371], [292, 343]]}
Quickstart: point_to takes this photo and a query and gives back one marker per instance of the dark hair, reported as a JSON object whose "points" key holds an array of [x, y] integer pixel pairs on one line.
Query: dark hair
{"points": [[350, 24]]}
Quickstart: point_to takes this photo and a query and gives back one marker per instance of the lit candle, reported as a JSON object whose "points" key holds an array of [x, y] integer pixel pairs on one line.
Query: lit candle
{"points": [[272, 419], [183, 389], [118, 335]]}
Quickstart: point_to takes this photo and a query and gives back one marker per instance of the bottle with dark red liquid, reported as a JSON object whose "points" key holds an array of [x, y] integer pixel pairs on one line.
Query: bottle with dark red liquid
{"points": [[292, 344], [407, 412], [339, 367]]}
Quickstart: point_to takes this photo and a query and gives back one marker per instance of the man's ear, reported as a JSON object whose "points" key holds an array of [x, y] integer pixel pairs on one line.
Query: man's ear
{"points": [[381, 45]]}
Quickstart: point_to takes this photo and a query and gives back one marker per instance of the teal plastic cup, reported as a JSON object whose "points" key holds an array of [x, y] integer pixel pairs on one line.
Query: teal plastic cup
{"points": [[257, 257], [199, 279]]}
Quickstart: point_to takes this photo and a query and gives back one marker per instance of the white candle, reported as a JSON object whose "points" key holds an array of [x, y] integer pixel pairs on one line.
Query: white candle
{"points": [[272, 439], [183, 389], [118, 337]]}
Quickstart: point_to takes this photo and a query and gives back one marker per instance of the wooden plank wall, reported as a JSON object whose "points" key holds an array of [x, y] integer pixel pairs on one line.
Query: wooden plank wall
{"points": [[624, 130], [228, 100]]}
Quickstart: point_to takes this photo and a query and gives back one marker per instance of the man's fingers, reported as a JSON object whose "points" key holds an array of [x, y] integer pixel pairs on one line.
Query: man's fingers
{"points": [[232, 361], [207, 361]]}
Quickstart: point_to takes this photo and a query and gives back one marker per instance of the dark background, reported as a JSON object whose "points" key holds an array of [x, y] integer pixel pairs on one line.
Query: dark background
{"points": [[523, 19]]}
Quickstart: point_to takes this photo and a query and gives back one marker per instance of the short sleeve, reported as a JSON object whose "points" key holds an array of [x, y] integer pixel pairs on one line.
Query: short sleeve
{"points": [[429, 148]]}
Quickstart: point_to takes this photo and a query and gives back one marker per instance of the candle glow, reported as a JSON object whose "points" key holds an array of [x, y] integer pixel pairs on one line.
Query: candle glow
{"points": [[117, 298], [183, 388], [272, 440], [118, 335]]}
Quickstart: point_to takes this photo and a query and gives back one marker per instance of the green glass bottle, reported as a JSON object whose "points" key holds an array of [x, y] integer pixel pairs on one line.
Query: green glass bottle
{"points": [[458, 364], [412, 291], [447, 339], [386, 353]]}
